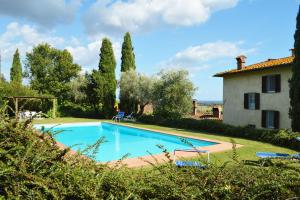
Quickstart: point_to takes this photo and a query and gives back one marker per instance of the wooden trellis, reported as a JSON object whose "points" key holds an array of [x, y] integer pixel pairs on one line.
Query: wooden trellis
{"points": [[17, 98]]}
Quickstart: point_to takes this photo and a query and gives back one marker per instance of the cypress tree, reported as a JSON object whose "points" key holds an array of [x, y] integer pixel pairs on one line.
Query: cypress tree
{"points": [[295, 81], [128, 63], [16, 69], [128, 58], [107, 66]]}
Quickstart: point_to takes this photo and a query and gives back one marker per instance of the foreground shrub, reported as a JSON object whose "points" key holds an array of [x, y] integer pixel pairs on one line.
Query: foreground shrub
{"points": [[283, 138], [33, 167]]}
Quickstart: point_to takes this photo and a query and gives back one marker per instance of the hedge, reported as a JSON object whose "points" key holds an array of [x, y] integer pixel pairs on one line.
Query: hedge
{"points": [[285, 138]]}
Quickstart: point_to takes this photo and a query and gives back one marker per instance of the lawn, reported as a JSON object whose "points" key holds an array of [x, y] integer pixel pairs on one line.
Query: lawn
{"points": [[247, 152], [64, 120]]}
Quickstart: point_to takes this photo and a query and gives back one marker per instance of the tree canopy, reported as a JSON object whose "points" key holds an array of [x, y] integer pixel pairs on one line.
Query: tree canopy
{"points": [[16, 69], [127, 103], [102, 84], [128, 57], [50, 70], [170, 92], [172, 96], [295, 81], [137, 87]]}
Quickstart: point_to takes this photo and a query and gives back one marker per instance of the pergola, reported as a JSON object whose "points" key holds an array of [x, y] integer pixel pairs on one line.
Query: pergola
{"points": [[17, 98]]}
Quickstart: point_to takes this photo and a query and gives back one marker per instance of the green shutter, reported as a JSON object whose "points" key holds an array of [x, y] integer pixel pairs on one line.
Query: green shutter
{"points": [[246, 101], [264, 84], [263, 118], [278, 83], [276, 119], [257, 101]]}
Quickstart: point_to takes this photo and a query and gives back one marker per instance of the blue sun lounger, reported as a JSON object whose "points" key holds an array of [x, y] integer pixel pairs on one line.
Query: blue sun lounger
{"points": [[119, 116], [296, 156], [272, 155], [180, 163]]}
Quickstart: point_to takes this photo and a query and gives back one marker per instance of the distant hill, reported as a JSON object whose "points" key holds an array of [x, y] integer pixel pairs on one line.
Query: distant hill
{"points": [[209, 102]]}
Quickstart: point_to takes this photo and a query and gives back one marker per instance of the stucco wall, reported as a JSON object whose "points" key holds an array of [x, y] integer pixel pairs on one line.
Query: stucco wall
{"points": [[236, 85]]}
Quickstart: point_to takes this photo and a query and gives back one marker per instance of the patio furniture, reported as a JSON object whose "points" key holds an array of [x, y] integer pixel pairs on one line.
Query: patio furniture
{"points": [[129, 117], [189, 164], [26, 114], [180, 163], [265, 155], [119, 116], [296, 156]]}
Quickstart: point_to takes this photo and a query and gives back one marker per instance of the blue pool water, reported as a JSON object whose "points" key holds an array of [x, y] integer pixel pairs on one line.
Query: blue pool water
{"points": [[120, 140]]}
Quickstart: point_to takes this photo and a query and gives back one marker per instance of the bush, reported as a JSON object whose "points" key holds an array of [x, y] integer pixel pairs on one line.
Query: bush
{"points": [[69, 109], [283, 138]]}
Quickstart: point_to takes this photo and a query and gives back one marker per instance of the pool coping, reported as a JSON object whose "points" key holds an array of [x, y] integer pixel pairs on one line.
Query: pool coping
{"points": [[144, 161]]}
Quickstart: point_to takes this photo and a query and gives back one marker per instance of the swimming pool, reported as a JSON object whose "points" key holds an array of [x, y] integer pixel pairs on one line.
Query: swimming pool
{"points": [[119, 140]]}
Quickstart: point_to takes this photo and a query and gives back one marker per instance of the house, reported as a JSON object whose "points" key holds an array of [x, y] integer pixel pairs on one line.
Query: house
{"points": [[257, 95]]}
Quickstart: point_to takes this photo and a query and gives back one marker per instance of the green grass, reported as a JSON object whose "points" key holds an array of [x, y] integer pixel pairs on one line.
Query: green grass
{"points": [[247, 152], [64, 120]]}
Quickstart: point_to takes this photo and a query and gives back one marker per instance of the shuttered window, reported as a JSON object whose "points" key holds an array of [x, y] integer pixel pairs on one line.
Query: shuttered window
{"points": [[270, 119], [271, 84], [252, 101]]}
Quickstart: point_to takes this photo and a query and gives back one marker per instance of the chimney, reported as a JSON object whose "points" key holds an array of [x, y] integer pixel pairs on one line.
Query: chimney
{"points": [[293, 51], [241, 61], [194, 107]]}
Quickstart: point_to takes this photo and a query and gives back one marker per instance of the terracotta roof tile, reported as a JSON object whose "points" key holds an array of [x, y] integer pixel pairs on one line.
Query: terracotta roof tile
{"points": [[271, 63]]}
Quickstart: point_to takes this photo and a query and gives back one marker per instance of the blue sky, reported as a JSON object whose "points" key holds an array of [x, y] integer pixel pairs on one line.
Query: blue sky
{"points": [[201, 36]]}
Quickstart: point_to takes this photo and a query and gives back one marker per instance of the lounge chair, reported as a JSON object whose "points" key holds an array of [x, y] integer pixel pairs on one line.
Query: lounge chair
{"points": [[180, 163], [119, 116], [272, 155], [129, 117], [296, 156]]}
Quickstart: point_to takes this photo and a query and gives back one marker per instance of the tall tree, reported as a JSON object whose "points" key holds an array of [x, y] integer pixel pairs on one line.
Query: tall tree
{"points": [[127, 103], [16, 69], [128, 58], [94, 90], [107, 79], [51, 70], [295, 81]]}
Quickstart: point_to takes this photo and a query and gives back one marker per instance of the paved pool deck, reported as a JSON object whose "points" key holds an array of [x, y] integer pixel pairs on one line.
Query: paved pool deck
{"points": [[145, 161]]}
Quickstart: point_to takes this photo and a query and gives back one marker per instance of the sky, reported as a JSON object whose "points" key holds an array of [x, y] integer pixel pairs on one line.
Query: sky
{"points": [[200, 36]]}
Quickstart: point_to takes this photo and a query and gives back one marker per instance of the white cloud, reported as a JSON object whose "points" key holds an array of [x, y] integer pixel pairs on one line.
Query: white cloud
{"points": [[88, 55], [137, 15], [45, 12], [23, 37], [196, 58]]}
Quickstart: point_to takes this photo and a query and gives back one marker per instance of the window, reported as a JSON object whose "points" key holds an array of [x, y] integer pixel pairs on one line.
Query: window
{"points": [[271, 84], [270, 119], [251, 97], [271, 81], [252, 101]]}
